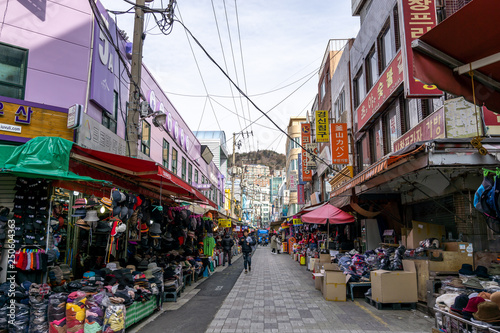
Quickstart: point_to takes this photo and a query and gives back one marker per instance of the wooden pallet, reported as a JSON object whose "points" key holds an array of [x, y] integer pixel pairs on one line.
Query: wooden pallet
{"points": [[390, 306]]}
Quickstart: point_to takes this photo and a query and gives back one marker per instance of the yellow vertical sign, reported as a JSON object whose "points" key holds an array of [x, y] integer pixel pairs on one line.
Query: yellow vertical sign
{"points": [[322, 126]]}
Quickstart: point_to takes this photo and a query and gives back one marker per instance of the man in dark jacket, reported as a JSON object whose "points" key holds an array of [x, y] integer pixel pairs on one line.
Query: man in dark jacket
{"points": [[246, 243], [227, 245]]}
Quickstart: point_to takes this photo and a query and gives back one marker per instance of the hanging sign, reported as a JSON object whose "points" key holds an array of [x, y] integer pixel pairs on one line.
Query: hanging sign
{"points": [[340, 147], [418, 18], [297, 222], [300, 194], [224, 223], [311, 163], [305, 132], [322, 126], [386, 85]]}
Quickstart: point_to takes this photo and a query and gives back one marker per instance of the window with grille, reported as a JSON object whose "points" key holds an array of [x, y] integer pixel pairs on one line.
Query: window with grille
{"points": [[359, 88], [109, 119], [371, 68], [146, 138], [190, 174], [385, 51], [183, 169], [13, 68], [165, 153], [174, 161]]}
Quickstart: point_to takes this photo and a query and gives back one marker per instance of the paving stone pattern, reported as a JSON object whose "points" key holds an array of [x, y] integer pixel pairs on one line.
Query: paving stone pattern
{"points": [[278, 295]]}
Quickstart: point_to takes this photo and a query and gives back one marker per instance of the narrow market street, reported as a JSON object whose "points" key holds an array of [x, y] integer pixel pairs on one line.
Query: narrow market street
{"points": [[278, 295]]}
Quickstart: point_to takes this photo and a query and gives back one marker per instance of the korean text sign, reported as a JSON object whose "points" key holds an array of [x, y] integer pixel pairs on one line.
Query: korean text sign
{"points": [[385, 86], [322, 128], [419, 16], [305, 132], [340, 143], [224, 223], [432, 127]]}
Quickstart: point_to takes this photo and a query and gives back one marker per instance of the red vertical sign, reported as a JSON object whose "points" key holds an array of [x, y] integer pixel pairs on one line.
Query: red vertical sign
{"points": [[300, 194], [305, 135], [419, 16], [340, 143]]}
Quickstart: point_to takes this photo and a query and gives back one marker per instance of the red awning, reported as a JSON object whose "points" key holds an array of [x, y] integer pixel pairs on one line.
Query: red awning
{"points": [[470, 37], [327, 213], [146, 173]]}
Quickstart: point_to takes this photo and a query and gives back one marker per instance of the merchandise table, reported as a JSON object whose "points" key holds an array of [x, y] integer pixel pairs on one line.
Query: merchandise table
{"points": [[138, 311], [353, 285], [451, 323]]}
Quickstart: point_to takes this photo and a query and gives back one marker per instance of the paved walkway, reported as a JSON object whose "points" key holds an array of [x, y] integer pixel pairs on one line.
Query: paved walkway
{"points": [[279, 296]]}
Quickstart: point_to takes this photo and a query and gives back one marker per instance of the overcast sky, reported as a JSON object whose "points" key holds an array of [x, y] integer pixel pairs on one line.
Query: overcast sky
{"points": [[282, 44]]}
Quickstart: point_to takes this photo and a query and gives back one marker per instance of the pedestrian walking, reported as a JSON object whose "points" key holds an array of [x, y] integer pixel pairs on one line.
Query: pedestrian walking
{"points": [[246, 243], [274, 244], [278, 244], [227, 245]]}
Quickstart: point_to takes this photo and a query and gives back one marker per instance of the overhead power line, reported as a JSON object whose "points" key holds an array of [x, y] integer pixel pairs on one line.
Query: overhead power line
{"points": [[250, 100]]}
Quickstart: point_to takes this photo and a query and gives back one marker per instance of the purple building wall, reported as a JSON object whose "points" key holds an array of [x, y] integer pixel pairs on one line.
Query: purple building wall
{"points": [[59, 38]]}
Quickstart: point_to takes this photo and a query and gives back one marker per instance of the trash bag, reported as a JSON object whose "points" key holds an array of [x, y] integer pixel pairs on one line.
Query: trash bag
{"points": [[114, 319]]}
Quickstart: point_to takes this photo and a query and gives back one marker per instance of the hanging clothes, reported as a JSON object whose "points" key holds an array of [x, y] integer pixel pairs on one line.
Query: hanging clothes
{"points": [[208, 246]]}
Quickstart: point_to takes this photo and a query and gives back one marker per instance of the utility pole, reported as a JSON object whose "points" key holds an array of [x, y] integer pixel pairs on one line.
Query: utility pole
{"points": [[132, 133]]}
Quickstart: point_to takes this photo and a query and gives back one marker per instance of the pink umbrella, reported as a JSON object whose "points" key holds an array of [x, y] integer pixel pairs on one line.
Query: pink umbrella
{"points": [[327, 213]]}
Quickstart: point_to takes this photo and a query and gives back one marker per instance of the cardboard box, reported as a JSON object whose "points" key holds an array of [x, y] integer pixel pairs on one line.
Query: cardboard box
{"points": [[452, 261], [458, 247], [334, 284], [312, 263], [330, 267], [394, 286], [318, 280], [325, 258], [420, 231]]}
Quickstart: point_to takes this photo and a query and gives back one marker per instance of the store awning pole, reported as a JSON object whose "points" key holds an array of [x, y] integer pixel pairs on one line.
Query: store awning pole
{"points": [[327, 235], [47, 234]]}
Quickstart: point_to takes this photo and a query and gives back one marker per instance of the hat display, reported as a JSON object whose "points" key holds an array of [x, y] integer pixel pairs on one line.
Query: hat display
{"points": [[106, 202], [79, 212], [473, 282], [482, 272], [80, 203], [117, 210], [92, 202], [82, 224], [487, 312], [466, 270], [115, 195], [494, 269], [124, 213], [495, 298], [460, 303], [122, 227], [456, 283], [472, 306], [155, 228], [168, 237], [91, 216], [484, 295], [103, 226], [144, 228]]}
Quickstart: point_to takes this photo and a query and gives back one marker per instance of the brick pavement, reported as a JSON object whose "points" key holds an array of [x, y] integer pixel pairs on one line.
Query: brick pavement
{"points": [[279, 296]]}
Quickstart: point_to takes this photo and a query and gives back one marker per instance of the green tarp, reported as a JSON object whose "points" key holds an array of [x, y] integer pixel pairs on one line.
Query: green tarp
{"points": [[41, 157]]}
